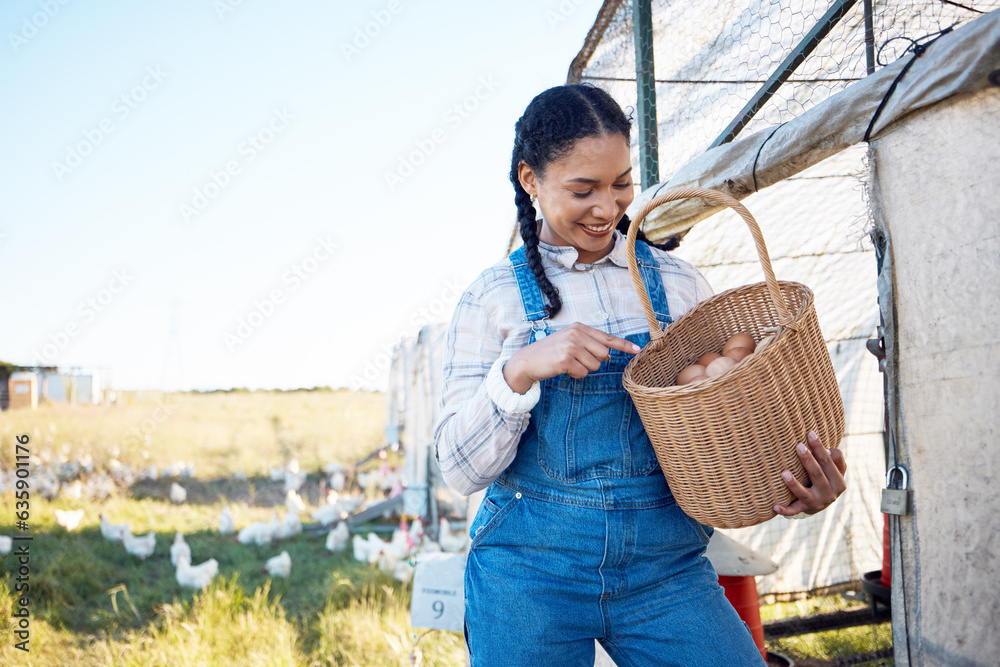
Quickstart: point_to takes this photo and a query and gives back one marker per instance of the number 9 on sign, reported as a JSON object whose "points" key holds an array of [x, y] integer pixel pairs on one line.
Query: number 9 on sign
{"points": [[438, 608]]}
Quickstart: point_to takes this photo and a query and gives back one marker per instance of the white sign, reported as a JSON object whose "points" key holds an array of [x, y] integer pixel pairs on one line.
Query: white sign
{"points": [[438, 601]]}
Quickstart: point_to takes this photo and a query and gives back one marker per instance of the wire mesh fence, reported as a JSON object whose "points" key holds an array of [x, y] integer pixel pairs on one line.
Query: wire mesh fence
{"points": [[711, 57]]}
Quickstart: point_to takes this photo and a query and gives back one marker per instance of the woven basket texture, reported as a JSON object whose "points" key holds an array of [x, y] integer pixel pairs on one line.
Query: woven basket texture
{"points": [[722, 443]]}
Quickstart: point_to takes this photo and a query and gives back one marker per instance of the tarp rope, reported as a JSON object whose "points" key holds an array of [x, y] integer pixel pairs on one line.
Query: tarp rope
{"points": [[919, 48]]}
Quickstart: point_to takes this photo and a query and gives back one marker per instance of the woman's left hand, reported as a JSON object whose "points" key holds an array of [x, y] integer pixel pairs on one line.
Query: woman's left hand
{"points": [[826, 468]]}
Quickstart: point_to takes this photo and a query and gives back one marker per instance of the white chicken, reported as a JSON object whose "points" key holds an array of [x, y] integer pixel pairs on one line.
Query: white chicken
{"points": [[179, 549], [178, 493], [196, 576], [279, 566], [69, 519], [142, 547], [290, 526], [337, 539], [293, 501], [6, 544], [256, 533], [449, 541], [338, 480], [403, 571], [294, 480], [226, 525], [112, 531], [327, 514]]}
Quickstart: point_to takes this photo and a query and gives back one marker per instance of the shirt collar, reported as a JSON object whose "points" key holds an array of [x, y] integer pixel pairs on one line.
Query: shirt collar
{"points": [[567, 255]]}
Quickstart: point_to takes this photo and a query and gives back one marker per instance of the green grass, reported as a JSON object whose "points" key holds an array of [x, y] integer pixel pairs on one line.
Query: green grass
{"points": [[92, 603], [831, 644]]}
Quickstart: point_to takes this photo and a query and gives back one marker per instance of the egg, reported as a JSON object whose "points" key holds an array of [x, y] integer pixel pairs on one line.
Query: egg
{"points": [[719, 366], [739, 340], [739, 353], [697, 378], [707, 358], [694, 370]]}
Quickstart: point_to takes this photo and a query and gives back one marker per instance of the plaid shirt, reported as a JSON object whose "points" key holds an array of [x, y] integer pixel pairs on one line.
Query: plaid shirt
{"points": [[474, 440]]}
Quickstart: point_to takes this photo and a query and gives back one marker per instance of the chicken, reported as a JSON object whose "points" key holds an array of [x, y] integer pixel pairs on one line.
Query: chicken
{"points": [[327, 514], [293, 501], [290, 526], [256, 533], [226, 525], [368, 550], [178, 493], [179, 549], [451, 542], [69, 519], [139, 546], [294, 479], [112, 531], [403, 571], [337, 539], [279, 566], [196, 576], [6, 544]]}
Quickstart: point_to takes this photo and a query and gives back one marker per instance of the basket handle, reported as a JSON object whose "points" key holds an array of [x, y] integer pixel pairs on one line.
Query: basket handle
{"points": [[655, 332]]}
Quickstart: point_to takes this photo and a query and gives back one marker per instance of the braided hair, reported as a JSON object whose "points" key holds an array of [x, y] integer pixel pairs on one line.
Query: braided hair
{"points": [[549, 129]]}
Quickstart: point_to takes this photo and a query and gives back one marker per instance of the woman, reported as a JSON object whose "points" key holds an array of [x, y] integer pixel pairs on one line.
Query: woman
{"points": [[578, 537]]}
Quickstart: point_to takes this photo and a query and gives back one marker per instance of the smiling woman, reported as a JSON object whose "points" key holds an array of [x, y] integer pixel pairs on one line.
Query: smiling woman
{"points": [[579, 537]]}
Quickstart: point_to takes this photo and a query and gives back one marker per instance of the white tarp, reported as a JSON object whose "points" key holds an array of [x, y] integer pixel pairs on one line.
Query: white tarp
{"points": [[935, 196]]}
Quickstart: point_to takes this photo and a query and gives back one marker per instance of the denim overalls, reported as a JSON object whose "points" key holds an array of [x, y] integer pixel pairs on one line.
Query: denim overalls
{"points": [[580, 538]]}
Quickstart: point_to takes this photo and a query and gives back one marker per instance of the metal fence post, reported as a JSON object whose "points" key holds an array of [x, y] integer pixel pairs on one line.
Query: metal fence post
{"points": [[649, 159]]}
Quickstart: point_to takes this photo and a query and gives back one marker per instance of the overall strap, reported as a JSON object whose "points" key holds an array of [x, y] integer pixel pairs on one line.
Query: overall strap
{"points": [[531, 294], [649, 269]]}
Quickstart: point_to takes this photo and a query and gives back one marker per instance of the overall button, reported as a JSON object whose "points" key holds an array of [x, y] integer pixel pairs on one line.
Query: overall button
{"points": [[517, 495]]}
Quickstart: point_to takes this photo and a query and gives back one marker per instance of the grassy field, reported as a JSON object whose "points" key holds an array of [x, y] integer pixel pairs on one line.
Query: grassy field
{"points": [[92, 603]]}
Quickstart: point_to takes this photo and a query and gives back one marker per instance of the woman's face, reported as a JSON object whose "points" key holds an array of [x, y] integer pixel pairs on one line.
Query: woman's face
{"points": [[583, 195]]}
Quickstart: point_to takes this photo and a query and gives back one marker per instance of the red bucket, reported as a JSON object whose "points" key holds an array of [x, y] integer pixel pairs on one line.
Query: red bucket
{"points": [[742, 594]]}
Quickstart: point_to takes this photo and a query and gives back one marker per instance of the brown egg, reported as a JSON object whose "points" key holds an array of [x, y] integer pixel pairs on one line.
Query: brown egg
{"points": [[719, 366], [707, 358], [739, 340], [739, 353], [694, 370], [697, 378]]}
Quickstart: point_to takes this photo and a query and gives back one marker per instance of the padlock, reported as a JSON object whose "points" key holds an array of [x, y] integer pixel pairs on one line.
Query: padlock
{"points": [[896, 500]]}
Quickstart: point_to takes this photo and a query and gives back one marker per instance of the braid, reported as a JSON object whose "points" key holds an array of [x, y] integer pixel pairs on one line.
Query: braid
{"points": [[667, 245], [529, 234]]}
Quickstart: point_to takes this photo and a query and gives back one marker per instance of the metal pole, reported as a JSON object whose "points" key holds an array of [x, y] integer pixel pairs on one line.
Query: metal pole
{"points": [[785, 69], [869, 37], [649, 159]]}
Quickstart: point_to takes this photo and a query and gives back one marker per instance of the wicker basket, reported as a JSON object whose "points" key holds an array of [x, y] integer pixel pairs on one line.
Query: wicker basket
{"points": [[723, 442]]}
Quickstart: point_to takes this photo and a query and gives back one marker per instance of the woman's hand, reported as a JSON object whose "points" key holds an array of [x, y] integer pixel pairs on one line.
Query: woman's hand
{"points": [[826, 468], [575, 350]]}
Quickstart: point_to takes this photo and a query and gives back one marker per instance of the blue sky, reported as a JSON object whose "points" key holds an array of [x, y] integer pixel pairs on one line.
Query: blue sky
{"points": [[216, 193]]}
